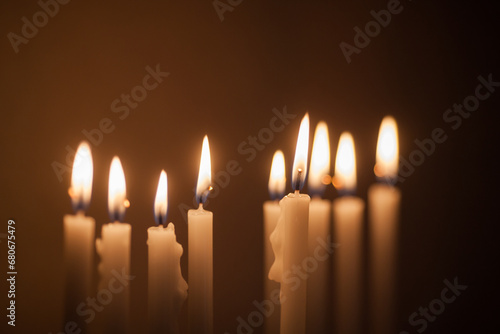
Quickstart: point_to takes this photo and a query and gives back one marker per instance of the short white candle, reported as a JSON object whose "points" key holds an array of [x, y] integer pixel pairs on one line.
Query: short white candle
{"points": [[167, 289], [277, 185], [383, 204], [114, 250], [200, 255], [348, 213], [79, 232], [290, 243], [318, 283]]}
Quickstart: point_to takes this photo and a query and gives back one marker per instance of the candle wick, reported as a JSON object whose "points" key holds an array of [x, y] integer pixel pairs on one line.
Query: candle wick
{"points": [[297, 182]]}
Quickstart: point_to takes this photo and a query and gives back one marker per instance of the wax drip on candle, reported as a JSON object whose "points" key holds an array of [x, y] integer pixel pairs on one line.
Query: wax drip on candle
{"points": [[182, 287], [276, 238]]}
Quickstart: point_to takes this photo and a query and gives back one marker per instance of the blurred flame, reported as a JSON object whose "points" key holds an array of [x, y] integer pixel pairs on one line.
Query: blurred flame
{"points": [[117, 201], [277, 178], [299, 169], [387, 149], [345, 164], [161, 200], [81, 178], [320, 159], [205, 174]]}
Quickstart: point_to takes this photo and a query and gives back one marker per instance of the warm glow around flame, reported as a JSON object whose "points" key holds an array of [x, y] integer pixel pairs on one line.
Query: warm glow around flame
{"points": [[345, 164], [205, 174], [81, 178], [161, 199], [387, 149], [320, 158], [277, 178], [299, 169], [117, 201]]}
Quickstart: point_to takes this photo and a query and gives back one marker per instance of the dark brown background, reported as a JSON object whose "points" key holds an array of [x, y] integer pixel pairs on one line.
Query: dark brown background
{"points": [[225, 79]]}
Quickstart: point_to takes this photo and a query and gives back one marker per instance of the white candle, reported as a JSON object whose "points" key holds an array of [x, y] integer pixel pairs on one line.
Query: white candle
{"points": [[167, 289], [277, 184], [114, 250], [383, 202], [289, 242], [79, 232], [318, 283], [200, 255], [348, 230]]}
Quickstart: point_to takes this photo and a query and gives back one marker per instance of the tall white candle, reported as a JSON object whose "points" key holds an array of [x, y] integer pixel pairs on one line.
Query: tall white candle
{"points": [[79, 232], [114, 250], [348, 230], [200, 255], [277, 184], [167, 289], [318, 283], [383, 204], [289, 242]]}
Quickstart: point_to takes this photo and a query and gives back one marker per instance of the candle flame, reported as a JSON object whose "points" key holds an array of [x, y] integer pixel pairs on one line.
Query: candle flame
{"points": [[345, 164], [81, 178], [205, 174], [387, 158], [117, 202], [320, 159], [299, 169], [277, 178], [161, 200]]}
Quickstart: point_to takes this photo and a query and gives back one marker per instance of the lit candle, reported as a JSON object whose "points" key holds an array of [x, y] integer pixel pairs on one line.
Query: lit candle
{"points": [[383, 203], [114, 250], [318, 283], [79, 232], [289, 242], [348, 223], [277, 184], [167, 289], [200, 255]]}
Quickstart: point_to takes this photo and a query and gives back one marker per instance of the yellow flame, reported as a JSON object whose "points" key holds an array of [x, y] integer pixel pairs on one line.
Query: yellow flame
{"points": [[345, 164], [387, 149], [320, 158], [116, 190], [81, 177], [277, 178], [299, 169], [161, 199], [205, 173]]}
